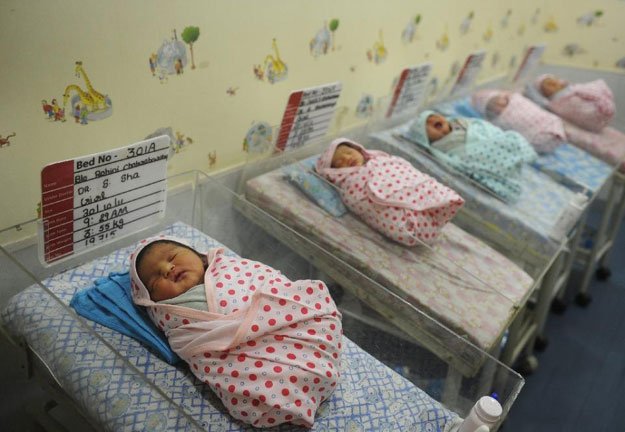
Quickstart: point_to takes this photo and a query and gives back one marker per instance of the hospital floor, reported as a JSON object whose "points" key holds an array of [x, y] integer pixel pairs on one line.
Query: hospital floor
{"points": [[579, 384], [577, 387]]}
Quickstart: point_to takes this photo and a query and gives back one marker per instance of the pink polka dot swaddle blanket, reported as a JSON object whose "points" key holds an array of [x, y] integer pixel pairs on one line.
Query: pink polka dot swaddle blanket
{"points": [[587, 105], [391, 196], [544, 130], [267, 346]]}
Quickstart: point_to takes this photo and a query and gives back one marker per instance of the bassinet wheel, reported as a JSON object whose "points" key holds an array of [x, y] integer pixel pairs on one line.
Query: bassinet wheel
{"points": [[558, 306], [528, 365], [541, 343], [583, 299], [603, 273]]}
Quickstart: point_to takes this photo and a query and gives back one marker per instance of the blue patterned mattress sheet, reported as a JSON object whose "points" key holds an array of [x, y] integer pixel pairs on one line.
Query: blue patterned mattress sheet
{"points": [[530, 221], [370, 396], [569, 165]]}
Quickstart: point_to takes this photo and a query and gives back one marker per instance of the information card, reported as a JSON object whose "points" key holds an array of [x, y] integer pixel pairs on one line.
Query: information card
{"points": [[468, 73], [94, 199], [308, 115], [530, 60], [410, 89]]}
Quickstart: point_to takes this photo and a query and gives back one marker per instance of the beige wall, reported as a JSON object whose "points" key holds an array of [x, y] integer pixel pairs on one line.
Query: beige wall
{"points": [[40, 42]]}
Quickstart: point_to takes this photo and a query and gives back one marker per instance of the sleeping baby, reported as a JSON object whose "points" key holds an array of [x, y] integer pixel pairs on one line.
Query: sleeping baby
{"points": [[486, 154], [513, 111], [588, 105], [388, 193], [267, 346], [544, 129]]}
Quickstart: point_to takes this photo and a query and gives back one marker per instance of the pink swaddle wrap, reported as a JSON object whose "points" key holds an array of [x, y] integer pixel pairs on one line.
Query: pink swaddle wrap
{"points": [[268, 347], [588, 105], [607, 145], [544, 130], [392, 196]]}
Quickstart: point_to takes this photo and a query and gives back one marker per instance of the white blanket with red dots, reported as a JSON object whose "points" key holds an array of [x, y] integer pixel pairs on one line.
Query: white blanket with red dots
{"points": [[587, 105], [153, 395], [268, 347], [391, 196]]}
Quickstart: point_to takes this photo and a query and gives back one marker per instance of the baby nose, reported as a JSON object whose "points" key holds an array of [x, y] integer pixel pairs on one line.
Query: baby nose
{"points": [[167, 269]]}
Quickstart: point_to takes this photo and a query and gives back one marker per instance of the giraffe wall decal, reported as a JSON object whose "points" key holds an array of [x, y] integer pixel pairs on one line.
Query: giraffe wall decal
{"points": [[99, 99]]}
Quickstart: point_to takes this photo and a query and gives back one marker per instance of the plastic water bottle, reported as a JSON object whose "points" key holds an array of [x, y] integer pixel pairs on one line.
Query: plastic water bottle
{"points": [[483, 416]]}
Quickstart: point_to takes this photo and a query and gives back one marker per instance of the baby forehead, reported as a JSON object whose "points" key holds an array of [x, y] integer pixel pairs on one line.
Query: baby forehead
{"points": [[160, 248], [435, 117]]}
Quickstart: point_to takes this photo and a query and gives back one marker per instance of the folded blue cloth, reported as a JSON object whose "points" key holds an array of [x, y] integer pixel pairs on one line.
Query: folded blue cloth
{"points": [[109, 302]]}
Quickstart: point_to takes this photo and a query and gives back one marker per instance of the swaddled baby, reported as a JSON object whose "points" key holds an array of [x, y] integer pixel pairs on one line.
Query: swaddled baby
{"points": [[388, 193], [513, 111], [267, 346], [483, 152], [588, 105]]}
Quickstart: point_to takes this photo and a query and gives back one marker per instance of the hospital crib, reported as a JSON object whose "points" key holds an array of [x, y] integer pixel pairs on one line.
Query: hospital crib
{"points": [[594, 253], [389, 381], [580, 171], [527, 232], [348, 245]]}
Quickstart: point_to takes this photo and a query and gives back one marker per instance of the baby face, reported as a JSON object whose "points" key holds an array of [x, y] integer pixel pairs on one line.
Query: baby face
{"points": [[497, 104], [550, 86], [346, 156], [169, 269], [437, 127]]}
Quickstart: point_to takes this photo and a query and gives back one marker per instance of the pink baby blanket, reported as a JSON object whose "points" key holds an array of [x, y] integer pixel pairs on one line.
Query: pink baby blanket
{"points": [[607, 145], [268, 347], [391, 196], [544, 130], [588, 105]]}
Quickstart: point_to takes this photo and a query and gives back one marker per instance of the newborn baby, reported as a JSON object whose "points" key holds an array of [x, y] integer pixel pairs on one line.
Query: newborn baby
{"points": [[267, 346], [388, 193], [512, 111], [587, 105], [475, 148]]}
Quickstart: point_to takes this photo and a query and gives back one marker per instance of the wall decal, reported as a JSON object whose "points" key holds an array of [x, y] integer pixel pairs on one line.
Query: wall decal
{"points": [[53, 111], [550, 26], [442, 43], [410, 31], [171, 56], [432, 87], [170, 59], [521, 30], [272, 68], [465, 26], [6, 141], [572, 49], [190, 35], [232, 91], [494, 60], [512, 62], [212, 159], [488, 34], [181, 142], [535, 16], [259, 138], [85, 104], [364, 108], [506, 19], [590, 18], [378, 53], [324, 39], [177, 141]]}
